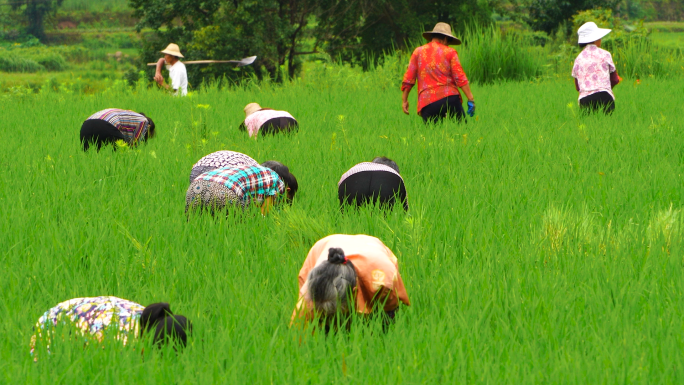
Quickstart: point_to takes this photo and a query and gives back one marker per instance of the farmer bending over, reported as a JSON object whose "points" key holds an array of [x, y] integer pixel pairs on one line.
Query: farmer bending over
{"points": [[267, 121], [371, 182], [346, 273], [266, 185], [112, 124], [94, 317], [220, 159], [177, 72]]}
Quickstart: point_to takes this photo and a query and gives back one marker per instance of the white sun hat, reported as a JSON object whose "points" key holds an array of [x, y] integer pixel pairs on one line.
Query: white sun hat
{"points": [[173, 50], [251, 108], [590, 32]]}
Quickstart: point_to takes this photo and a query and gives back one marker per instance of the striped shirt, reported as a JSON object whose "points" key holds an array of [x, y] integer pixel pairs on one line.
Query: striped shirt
{"points": [[367, 166], [249, 183], [220, 159], [257, 119], [131, 124]]}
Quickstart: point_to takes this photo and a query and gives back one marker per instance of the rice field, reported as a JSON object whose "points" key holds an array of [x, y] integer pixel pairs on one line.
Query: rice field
{"points": [[541, 246]]}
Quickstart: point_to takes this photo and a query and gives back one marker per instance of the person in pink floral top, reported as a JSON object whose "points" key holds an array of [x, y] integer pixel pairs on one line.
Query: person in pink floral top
{"points": [[594, 71], [439, 73]]}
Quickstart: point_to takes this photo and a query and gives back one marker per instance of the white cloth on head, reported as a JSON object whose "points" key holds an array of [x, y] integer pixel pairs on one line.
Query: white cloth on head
{"points": [[179, 78], [367, 166], [254, 121]]}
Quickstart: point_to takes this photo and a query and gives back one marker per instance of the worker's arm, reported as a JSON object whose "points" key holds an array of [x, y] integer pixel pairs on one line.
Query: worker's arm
{"points": [[157, 74], [266, 206], [404, 98], [468, 94]]}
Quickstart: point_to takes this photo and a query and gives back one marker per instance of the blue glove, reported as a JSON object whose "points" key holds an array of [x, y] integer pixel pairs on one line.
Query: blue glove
{"points": [[471, 108]]}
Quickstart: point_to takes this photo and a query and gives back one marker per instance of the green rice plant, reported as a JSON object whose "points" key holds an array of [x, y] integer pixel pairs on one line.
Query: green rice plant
{"points": [[19, 64], [490, 55], [639, 58], [541, 246]]}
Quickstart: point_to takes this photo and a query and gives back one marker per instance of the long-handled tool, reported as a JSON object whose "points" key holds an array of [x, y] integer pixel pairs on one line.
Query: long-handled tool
{"points": [[240, 63]]}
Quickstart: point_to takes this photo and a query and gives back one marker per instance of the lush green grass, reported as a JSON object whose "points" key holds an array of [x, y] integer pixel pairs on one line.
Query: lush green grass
{"points": [[540, 247], [94, 6]]}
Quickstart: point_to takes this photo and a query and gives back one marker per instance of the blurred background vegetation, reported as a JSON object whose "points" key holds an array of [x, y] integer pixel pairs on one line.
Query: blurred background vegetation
{"points": [[87, 44]]}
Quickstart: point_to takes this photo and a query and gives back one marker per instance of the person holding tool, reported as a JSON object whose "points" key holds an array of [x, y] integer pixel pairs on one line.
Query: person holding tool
{"points": [[177, 72]]}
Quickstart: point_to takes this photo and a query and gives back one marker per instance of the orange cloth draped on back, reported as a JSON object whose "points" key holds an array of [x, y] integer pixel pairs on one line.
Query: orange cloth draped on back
{"points": [[438, 71], [377, 272]]}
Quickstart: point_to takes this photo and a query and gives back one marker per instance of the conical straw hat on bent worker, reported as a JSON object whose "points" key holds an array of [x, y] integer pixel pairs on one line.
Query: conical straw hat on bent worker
{"points": [[445, 30], [173, 50], [251, 108]]}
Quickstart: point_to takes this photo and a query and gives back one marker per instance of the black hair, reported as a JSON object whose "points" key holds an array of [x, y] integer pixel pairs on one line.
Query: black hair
{"points": [[150, 128], [166, 325], [331, 283], [582, 45], [387, 162], [284, 173]]}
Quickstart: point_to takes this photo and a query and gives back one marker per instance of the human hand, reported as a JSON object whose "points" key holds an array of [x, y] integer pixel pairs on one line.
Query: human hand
{"points": [[158, 78], [471, 108], [405, 107]]}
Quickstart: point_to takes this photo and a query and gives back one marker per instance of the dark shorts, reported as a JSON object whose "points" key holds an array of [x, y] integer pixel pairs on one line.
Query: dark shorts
{"points": [[449, 107], [365, 187], [600, 101], [99, 132], [276, 125]]}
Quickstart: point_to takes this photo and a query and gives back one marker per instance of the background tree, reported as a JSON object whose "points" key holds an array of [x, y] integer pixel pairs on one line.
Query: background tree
{"points": [[549, 15], [35, 12], [273, 30], [355, 28], [280, 31]]}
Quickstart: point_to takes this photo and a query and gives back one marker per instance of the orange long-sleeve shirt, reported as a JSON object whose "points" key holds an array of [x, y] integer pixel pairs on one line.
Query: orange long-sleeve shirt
{"points": [[438, 71]]}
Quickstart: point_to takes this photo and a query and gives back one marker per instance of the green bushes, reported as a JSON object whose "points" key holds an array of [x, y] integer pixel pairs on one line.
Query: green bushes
{"points": [[490, 55], [52, 62], [19, 64], [639, 58]]}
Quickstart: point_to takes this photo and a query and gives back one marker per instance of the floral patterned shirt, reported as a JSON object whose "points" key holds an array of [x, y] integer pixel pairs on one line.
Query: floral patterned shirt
{"points": [[438, 71], [592, 70], [91, 316]]}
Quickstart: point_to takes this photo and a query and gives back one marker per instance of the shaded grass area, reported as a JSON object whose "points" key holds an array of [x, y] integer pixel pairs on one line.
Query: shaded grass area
{"points": [[541, 247]]}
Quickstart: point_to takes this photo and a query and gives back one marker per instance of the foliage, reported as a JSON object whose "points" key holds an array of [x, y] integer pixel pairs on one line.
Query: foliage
{"points": [[492, 56], [359, 28], [19, 64], [279, 32], [550, 15], [540, 248], [35, 12]]}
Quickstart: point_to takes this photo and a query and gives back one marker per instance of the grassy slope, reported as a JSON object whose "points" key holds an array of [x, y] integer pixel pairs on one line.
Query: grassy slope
{"points": [[527, 255]]}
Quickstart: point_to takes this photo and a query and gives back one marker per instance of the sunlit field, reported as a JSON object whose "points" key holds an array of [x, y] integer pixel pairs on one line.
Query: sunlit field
{"points": [[541, 246]]}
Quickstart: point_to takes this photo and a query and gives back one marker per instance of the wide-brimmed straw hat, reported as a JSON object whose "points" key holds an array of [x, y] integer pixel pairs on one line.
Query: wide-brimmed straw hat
{"points": [[445, 30], [173, 50], [251, 108], [590, 32]]}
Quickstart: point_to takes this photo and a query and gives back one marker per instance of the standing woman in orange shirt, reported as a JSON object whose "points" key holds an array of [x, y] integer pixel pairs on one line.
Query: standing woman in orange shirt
{"points": [[439, 73]]}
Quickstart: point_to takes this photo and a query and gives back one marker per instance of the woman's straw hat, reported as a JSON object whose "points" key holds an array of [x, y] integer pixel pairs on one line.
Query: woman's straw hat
{"points": [[590, 32], [172, 50], [251, 108], [443, 29]]}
